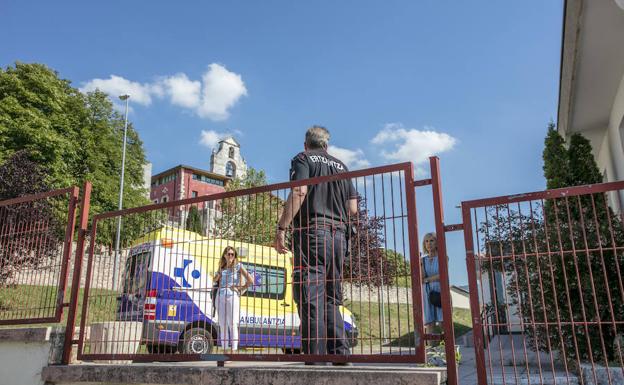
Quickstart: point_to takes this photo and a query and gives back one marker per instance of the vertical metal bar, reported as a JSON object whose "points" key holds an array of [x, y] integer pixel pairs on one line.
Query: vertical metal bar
{"points": [[67, 249], [73, 302], [477, 327], [447, 311], [85, 296], [412, 231]]}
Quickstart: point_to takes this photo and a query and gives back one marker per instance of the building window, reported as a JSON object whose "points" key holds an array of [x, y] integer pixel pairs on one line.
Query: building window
{"points": [[155, 200], [231, 153], [164, 199], [194, 194], [230, 170], [207, 179], [164, 179]]}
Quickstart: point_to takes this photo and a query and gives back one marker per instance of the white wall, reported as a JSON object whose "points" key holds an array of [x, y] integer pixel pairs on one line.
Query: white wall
{"points": [[460, 300], [615, 139], [25, 352]]}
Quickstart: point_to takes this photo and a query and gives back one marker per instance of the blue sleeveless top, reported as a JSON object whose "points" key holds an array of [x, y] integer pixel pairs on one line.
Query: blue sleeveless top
{"points": [[229, 279]]}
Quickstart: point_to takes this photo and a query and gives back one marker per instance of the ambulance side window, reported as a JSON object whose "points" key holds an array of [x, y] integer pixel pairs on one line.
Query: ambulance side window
{"points": [[269, 282]]}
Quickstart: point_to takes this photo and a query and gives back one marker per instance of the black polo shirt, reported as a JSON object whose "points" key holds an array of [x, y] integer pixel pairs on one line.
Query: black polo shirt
{"points": [[324, 202]]}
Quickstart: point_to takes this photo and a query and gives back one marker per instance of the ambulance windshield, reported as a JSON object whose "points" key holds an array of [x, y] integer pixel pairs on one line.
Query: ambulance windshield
{"points": [[136, 275]]}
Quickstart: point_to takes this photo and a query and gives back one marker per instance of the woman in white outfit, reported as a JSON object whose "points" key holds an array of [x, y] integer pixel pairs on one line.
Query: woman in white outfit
{"points": [[228, 279]]}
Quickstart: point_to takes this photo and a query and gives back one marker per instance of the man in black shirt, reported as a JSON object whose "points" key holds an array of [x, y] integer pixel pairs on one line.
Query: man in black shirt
{"points": [[319, 214]]}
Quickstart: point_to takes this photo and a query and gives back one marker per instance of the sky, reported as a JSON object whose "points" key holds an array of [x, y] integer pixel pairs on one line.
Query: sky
{"points": [[474, 83]]}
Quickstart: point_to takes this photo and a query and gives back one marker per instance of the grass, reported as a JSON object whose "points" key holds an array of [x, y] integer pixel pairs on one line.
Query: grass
{"points": [[398, 318], [399, 324], [26, 301]]}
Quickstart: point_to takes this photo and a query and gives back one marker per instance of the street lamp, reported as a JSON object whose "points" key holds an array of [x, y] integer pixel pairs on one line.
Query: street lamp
{"points": [[125, 98]]}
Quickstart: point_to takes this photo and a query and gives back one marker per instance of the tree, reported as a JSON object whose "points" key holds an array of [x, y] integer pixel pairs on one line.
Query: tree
{"points": [[401, 266], [74, 136], [194, 221], [249, 217], [565, 263], [20, 176], [556, 161], [583, 168], [368, 262]]}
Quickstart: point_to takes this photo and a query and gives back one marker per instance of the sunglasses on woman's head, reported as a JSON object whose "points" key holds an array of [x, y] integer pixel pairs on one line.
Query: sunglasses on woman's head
{"points": [[232, 254]]}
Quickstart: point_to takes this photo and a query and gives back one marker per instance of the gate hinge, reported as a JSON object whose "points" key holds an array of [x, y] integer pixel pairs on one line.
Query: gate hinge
{"points": [[455, 227], [422, 182]]}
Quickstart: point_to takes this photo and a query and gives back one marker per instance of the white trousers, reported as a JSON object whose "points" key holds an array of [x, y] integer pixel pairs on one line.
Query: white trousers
{"points": [[228, 311]]}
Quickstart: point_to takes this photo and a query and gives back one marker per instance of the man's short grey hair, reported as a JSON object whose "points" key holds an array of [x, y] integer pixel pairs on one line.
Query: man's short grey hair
{"points": [[317, 137]]}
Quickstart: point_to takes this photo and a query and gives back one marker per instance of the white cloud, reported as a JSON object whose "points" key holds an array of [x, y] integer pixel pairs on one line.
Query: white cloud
{"points": [[221, 90], [212, 97], [210, 138], [117, 85], [354, 159], [403, 144], [183, 91]]}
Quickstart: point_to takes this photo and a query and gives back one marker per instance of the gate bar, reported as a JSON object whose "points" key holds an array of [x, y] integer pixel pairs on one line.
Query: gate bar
{"points": [[473, 289], [414, 251], [447, 311], [73, 301]]}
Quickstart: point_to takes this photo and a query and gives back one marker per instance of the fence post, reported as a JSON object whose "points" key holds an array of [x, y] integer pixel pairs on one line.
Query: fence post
{"points": [[73, 302], [447, 311], [477, 328], [414, 250], [69, 239]]}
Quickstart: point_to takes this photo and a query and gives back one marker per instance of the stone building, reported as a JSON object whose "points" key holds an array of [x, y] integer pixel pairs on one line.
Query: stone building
{"points": [[226, 159]]}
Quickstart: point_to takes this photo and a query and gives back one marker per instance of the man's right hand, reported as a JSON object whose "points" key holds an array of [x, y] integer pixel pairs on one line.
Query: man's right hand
{"points": [[280, 242]]}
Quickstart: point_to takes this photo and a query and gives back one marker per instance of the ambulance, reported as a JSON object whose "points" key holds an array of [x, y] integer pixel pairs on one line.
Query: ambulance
{"points": [[168, 286]]}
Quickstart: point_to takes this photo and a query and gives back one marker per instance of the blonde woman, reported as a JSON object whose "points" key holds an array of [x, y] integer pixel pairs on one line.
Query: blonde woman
{"points": [[431, 282], [228, 279]]}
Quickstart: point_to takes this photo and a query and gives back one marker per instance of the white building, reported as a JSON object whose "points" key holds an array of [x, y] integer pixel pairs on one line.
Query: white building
{"points": [[147, 178], [226, 159], [591, 93]]}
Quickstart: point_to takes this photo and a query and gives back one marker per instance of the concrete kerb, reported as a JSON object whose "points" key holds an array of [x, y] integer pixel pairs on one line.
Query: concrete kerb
{"points": [[164, 374]]}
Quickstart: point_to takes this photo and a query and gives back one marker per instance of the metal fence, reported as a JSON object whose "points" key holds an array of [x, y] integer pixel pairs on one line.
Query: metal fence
{"points": [[346, 288], [36, 234], [353, 280], [547, 296]]}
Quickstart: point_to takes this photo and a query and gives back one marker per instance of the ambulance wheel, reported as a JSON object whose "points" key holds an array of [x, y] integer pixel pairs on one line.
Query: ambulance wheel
{"points": [[291, 351], [197, 341]]}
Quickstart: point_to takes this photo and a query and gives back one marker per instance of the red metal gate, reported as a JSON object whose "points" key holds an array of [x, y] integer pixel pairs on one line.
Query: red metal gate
{"points": [[134, 298], [36, 234], [546, 289]]}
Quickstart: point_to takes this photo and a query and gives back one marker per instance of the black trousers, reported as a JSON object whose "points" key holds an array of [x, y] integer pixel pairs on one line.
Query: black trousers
{"points": [[318, 260]]}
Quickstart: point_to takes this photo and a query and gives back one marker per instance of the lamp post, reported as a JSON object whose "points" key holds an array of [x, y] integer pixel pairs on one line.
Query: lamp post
{"points": [[125, 98]]}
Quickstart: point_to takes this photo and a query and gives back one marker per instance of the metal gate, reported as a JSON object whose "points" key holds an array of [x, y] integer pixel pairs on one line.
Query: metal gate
{"points": [[36, 234], [546, 289], [150, 298]]}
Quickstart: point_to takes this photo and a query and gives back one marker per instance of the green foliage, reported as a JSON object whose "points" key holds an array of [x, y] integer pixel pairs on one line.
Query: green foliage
{"points": [[249, 217], [560, 259], [400, 265], [75, 137], [583, 167], [194, 221], [43, 218], [556, 165]]}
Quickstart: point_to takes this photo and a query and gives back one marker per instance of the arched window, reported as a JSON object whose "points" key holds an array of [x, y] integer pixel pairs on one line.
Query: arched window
{"points": [[231, 153], [164, 199], [230, 170]]}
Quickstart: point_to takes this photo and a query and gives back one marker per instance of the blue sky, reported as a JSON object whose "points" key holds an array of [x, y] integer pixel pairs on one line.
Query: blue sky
{"points": [[474, 82]]}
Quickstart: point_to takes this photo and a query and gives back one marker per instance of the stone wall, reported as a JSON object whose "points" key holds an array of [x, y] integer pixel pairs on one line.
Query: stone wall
{"points": [[48, 273]]}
